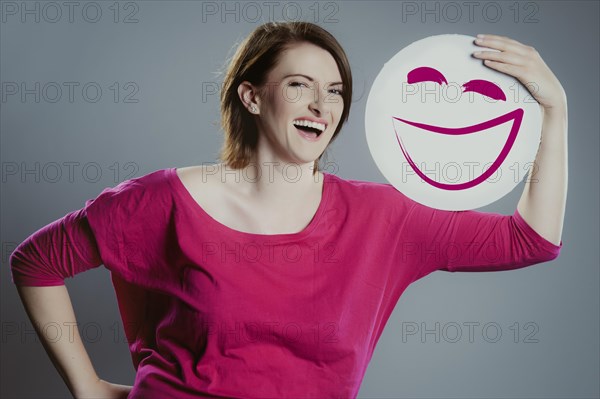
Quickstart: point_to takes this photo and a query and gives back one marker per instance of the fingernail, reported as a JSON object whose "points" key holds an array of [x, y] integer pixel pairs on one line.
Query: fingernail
{"points": [[480, 36]]}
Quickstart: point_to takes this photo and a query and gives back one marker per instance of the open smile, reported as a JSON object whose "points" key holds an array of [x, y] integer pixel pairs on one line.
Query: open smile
{"points": [[310, 130], [515, 116]]}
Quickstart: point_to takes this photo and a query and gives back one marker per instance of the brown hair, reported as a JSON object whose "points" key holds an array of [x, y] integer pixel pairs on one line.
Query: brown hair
{"points": [[253, 60]]}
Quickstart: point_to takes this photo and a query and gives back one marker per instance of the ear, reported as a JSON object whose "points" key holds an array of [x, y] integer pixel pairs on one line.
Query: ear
{"points": [[249, 95]]}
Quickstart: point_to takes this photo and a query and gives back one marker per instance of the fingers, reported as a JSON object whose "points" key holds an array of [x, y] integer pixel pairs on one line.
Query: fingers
{"points": [[499, 38], [509, 69], [499, 56], [502, 43]]}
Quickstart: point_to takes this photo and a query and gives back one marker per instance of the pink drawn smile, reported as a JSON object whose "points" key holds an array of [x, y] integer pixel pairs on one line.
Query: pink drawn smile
{"points": [[515, 116], [480, 86]]}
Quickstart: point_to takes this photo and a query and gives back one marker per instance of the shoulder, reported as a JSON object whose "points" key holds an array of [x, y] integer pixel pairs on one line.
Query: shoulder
{"points": [[373, 195], [136, 195], [130, 223], [149, 183], [366, 188], [202, 182], [193, 176], [153, 181]]}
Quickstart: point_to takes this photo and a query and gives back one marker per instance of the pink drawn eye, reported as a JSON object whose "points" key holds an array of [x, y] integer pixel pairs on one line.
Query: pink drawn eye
{"points": [[424, 74], [486, 88]]}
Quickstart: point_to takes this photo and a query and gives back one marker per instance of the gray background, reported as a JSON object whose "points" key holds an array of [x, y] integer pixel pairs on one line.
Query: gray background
{"points": [[167, 62]]}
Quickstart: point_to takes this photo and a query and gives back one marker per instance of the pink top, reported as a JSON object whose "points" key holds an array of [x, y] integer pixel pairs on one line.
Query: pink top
{"points": [[210, 311]]}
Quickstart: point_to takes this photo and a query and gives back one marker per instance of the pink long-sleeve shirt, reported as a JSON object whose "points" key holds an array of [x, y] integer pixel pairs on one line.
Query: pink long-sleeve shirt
{"points": [[210, 311]]}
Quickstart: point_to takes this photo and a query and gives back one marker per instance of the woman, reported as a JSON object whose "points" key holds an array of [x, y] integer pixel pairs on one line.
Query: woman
{"points": [[262, 276]]}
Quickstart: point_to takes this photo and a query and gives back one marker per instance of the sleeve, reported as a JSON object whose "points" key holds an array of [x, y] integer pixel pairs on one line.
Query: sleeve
{"points": [[131, 224], [124, 228], [473, 241], [58, 250]]}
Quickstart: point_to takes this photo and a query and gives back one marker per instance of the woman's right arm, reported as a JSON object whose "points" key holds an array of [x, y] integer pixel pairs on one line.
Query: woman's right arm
{"points": [[52, 306], [39, 266]]}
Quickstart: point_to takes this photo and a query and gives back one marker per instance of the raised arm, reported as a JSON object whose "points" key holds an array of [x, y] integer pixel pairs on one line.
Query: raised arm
{"points": [[542, 204]]}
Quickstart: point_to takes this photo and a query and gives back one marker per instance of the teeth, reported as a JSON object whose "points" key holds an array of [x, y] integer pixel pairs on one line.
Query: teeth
{"points": [[315, 125]]}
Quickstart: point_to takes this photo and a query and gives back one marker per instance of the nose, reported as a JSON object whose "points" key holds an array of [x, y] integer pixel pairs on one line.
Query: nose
{"points": [[319, 102]]}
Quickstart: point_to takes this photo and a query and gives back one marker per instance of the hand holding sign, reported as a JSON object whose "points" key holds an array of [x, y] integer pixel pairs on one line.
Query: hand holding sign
{"points": [[524, 63]]}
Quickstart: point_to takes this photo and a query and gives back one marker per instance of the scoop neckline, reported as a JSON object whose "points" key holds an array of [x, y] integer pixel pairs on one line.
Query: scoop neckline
{"points": [[189, 200]]}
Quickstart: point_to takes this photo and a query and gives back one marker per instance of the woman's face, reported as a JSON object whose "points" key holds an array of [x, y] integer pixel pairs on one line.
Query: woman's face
{"points": [[304, 87]]}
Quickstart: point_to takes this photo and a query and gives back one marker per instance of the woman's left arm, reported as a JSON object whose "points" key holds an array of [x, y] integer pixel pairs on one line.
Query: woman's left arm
{"points": [[542, 204]]}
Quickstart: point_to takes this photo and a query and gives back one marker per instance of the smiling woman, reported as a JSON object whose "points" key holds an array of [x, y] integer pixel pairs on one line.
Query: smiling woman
{"points": [[266, 286], [291, 107], [298, 68]]}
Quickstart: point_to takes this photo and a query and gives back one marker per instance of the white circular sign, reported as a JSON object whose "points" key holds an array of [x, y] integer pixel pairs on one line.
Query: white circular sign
{"points": [[448, 131]]}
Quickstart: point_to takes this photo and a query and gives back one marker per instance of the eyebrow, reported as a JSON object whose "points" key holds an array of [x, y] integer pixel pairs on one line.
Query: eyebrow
{"points": [[486, 88], [422, 74], [308, 77]]}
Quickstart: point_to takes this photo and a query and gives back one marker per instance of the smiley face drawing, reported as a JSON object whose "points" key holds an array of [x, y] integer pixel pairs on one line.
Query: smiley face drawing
{"points": [[447, 131]]}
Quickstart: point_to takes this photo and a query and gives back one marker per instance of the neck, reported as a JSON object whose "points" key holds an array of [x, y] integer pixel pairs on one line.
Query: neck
{"points": [[274, 182]]}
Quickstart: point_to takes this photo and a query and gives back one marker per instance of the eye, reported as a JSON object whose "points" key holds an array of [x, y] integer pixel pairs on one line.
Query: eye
{"points": [[339, 92], [297, 84], [486, 88]]}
